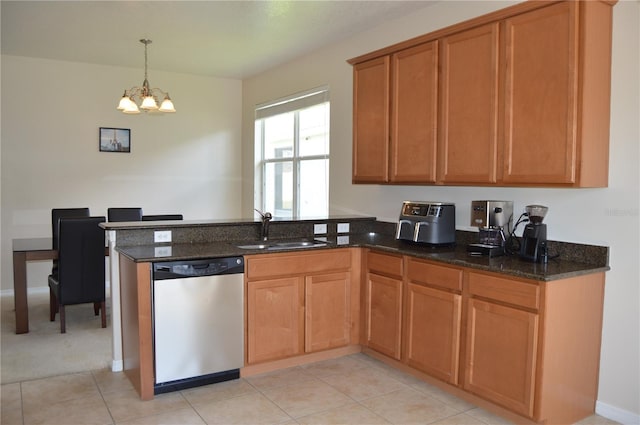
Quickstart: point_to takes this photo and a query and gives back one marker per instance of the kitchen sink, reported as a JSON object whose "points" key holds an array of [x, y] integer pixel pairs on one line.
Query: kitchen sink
{"points": [[284, 244], [255, 246]]}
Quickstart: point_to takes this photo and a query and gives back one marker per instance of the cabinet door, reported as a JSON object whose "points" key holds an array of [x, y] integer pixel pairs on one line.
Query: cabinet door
{"points": [[469, 106], [384, 314], [414, 114], [541, 95], [371, 121], [274, 319], [501, 355], [327, 305], [433, 331]]}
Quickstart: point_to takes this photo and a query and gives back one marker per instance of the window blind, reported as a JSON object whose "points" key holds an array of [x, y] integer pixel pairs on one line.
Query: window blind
{"points": [[292, 103]]}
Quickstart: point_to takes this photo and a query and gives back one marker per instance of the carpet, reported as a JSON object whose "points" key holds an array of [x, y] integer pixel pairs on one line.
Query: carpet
{"points": [[44, 351]]}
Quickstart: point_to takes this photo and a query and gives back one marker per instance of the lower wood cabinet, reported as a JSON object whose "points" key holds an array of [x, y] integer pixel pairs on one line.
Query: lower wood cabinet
{"points": [[327, 311], [433, 331], [531, 347], [502, 340], [274, 319], [501, 354], [383, 303], [308, 310], [383, 320]]}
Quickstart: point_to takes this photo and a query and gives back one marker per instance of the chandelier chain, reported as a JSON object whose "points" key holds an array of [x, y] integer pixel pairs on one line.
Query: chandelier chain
{"points": [[146, 42]]}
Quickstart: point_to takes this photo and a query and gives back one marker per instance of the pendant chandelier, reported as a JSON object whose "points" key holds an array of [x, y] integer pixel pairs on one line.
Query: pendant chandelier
{"points": [[144, 96]]}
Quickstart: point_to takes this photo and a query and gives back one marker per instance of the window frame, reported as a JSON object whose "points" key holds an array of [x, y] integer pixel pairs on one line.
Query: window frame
{"points": [[302, 100]]}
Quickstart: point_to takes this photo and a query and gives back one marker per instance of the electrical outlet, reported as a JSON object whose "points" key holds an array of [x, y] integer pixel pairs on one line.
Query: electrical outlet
{"points": [[319, 229], [162, 236], [162, 251], [343, 227]]}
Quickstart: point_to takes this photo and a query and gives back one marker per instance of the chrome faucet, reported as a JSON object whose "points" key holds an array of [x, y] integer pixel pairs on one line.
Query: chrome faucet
{"points": [[266, 218]]}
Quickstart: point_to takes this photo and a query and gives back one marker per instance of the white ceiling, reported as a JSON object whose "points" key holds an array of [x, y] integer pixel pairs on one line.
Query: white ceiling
{"points": [[231, 39]]}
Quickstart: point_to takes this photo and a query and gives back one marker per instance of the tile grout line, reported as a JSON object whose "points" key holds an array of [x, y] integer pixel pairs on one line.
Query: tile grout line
{"points": [[113, 420], [270, 401], [192, 407]]}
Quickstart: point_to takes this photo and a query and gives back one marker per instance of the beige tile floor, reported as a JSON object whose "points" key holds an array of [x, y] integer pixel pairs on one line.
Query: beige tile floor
{"points": [[350, 390]]}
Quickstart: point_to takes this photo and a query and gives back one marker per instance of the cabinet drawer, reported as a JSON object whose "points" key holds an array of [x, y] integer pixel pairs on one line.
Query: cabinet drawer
{"points": [[384, 264], [505, 290], [270, 265], [430, 274]]}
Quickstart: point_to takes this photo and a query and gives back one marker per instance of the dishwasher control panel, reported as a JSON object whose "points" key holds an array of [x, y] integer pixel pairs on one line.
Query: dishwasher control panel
{"points": [[197, 268]]}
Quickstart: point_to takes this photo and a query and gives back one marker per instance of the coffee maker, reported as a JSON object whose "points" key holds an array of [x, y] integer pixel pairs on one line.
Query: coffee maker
{"points": [[534, 236], [491, 218]]}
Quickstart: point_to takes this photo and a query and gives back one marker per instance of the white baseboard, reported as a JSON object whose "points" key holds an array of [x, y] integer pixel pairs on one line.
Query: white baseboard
{"points": [[614, 413], [38, 290], [117, 366]]}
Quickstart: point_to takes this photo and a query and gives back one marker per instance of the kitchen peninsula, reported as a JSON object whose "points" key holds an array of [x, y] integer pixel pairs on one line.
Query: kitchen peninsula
{"points": [[519, 338]]}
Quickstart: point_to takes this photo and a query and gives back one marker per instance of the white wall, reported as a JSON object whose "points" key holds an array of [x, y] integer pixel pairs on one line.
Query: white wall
{"points": [[598, 216], [187, 162]]}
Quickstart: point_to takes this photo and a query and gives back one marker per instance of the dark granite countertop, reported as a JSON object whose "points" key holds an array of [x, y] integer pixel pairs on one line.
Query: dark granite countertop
{"points": [[559, 268], [130, 225]]}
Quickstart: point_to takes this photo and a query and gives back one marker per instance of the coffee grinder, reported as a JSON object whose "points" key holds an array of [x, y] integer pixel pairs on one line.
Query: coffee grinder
{"points": [[491, 218], [534, 236]]}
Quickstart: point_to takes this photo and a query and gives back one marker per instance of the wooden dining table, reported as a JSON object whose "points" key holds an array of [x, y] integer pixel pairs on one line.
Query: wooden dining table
{"points": [[25, 250]]}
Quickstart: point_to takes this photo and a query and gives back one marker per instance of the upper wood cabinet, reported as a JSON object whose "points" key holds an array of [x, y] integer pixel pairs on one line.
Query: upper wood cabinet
{"points": [[395, 112], [541, 95], [524, 100], [414, 109], [371, 121], [468, 138]]}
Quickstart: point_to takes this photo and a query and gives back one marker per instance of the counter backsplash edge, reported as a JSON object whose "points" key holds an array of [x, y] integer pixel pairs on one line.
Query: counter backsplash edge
{"points": [[567, 251], [241, 231]]}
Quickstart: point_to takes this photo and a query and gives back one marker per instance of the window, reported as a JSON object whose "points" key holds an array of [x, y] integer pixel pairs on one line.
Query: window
{"points": [[292, 146]]}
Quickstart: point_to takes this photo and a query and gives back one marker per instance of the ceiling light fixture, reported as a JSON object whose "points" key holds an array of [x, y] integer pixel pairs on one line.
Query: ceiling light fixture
{"points": [[144, 96]]}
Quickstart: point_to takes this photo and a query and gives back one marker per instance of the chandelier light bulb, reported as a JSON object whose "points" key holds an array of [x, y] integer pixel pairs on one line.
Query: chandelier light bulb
{"points": [[131, 108], [124, 102], [149, 103], [167, 105]]}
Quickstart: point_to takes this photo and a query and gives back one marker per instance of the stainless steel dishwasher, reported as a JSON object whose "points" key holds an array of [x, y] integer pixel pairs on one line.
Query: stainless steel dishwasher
{"points": [[198, 318]]}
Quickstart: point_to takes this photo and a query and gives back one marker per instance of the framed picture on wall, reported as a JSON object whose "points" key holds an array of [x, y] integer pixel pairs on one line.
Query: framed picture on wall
{"points": [[115, 139]]}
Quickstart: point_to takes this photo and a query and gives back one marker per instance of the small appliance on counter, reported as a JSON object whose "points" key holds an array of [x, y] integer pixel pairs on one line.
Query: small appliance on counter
{"points": [[432, 223], [491, 217], [534, 236]]}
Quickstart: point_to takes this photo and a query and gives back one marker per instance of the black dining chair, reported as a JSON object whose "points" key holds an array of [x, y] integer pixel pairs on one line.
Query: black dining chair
{"points": [[161, 217], [80, 277], [124, 214], [56, 215]]}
